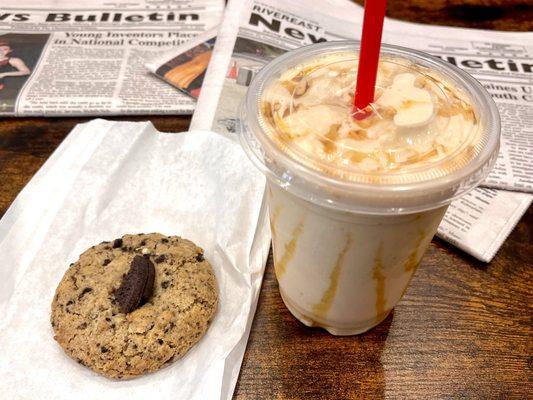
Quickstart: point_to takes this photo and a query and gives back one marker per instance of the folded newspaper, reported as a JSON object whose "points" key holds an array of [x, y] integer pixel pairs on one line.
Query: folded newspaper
{"points": [[253, 32], [67, 58]]}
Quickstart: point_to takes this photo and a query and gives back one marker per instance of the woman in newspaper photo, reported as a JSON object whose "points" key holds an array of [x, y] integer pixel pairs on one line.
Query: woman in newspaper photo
{"points": [[10, 66]]}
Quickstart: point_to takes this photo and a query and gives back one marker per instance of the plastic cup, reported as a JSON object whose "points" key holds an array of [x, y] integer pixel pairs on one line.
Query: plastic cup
{"points": [[347, 242]]}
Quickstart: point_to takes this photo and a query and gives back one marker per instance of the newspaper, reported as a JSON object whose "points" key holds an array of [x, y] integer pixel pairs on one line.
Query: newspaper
{"points": [[255, 31], [68, 58], [479, 222]]}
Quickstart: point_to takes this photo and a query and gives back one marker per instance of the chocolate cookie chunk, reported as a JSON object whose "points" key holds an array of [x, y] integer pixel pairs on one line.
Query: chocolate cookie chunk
{"points": [[130, 306], [137, 285]]}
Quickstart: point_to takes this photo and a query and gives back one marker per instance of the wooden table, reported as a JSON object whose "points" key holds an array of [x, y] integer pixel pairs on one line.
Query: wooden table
{"points": [[462, 331]]}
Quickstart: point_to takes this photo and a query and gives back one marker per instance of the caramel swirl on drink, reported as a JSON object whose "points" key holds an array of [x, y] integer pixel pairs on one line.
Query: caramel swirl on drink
{"points": [[417, 117]]}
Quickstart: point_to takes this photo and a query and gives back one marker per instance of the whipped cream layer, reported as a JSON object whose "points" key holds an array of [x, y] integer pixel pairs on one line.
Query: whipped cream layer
{"points": [[417, 119]]}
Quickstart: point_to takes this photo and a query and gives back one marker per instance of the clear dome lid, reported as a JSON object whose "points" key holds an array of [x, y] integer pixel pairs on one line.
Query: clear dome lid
{"points": [[431, 130]]}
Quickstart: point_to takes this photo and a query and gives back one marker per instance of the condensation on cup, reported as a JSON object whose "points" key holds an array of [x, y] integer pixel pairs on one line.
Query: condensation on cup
{"points": [[354, 203]]}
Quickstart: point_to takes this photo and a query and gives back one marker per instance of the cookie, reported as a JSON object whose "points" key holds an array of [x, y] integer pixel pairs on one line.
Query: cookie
{"points": [[133, 305]]}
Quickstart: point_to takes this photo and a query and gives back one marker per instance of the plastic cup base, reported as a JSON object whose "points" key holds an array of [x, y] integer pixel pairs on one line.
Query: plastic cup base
{"points": [[315, 322]]}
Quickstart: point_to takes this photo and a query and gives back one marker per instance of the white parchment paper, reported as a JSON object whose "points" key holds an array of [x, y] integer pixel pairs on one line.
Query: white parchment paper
{"points": [[105, 180]]}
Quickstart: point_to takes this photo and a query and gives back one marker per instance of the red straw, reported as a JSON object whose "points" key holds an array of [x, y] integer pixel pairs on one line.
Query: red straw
{"points": [[369, 56]]}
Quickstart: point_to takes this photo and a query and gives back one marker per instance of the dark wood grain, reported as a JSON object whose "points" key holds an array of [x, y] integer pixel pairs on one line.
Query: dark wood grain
{"points": [[503, 15], [462, 331]]}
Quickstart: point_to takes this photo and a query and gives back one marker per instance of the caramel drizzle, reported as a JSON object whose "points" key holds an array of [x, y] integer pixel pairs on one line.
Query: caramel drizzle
{"points": [[273, 115], [290, 248], [411, 264], [379, 277], [321, 309], [273, 219]]}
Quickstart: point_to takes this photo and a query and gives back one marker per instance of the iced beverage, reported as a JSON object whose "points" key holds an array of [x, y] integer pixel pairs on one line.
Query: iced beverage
{"points": [[354, 202]]}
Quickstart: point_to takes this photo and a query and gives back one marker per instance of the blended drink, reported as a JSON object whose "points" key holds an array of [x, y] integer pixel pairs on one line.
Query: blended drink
{"points": [[354, 201]]}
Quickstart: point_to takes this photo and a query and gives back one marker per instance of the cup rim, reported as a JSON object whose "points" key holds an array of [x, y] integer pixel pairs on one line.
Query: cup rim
{"points": [[330, 191]]}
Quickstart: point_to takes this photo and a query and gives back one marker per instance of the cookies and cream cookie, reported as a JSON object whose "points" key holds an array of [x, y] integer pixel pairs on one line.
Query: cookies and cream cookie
{"points": [[131, 306]]}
